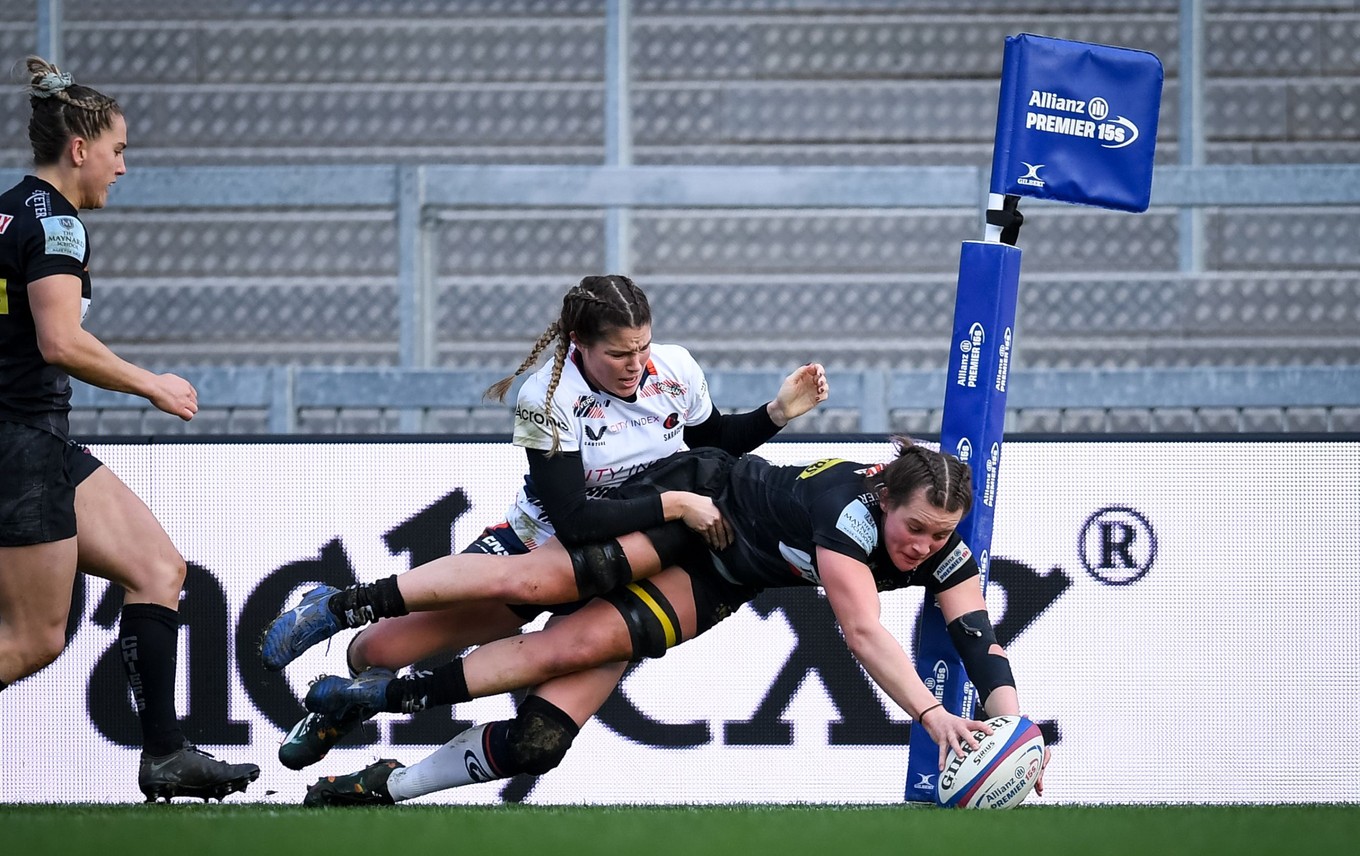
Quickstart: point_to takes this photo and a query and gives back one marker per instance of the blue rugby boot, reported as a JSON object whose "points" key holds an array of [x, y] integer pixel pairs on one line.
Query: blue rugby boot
{"points": [[297, 629], [339, 697]]}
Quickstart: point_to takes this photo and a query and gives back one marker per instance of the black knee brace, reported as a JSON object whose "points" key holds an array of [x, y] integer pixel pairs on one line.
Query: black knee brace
{"points": [[652, 622], [539, 737], [973, 637], [599, 567]]}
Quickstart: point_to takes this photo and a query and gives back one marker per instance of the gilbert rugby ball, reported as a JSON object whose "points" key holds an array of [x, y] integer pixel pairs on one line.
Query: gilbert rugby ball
{"points": [[1000, 772]]}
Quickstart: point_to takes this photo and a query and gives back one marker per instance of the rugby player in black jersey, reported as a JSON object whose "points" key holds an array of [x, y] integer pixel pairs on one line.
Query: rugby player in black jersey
{"points": [[51, 486]]}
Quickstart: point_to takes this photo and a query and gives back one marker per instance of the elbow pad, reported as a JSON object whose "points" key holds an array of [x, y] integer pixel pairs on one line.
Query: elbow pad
{"points": [[973, 637]]}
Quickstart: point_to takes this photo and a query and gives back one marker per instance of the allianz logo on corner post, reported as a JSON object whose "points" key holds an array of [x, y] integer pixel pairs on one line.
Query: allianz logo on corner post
{"points": [[970, 362], [963, 450]]}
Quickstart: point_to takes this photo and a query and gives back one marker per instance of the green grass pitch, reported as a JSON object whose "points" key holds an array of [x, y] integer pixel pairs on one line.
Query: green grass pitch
{"points": [[195, 829]]}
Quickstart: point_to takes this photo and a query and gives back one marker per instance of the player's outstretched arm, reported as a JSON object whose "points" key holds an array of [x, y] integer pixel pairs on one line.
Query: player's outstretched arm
{"points": [[853, 596]]}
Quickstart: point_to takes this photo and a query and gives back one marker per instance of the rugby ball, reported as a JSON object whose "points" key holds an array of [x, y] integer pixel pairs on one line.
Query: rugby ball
{"points": [[1000, 772]]}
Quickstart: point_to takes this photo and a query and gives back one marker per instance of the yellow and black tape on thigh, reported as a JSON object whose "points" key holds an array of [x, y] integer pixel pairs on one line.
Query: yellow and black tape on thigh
{"points": [[652, 623]]}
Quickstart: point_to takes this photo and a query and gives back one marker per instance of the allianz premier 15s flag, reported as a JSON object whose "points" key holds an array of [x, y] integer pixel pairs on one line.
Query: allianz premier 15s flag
{"points": [[1077, 123]]}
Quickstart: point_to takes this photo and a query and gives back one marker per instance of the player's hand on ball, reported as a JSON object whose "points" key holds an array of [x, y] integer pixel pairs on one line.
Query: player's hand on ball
{"points": [[951, 733]]}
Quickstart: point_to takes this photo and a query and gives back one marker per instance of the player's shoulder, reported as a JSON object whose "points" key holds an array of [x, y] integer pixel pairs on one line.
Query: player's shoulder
{"points": [[827, 472], [31, 208], [672, 355]]}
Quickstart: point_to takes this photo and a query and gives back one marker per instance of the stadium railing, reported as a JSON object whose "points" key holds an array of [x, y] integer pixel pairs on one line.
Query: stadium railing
{"points": [[285, 392]]}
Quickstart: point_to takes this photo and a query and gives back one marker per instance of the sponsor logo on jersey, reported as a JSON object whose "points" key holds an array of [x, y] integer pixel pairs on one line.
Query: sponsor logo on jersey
{"points": [[588, 407], [857, 522], [817, 466], [671, 387], [537, 417], [595, 436], [41, 203], [5, 220], [65, 237], [953, 562]]}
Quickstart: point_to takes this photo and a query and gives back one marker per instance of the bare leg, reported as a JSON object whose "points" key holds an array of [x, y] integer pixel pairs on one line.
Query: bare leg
{"points": [[593, 636], [120, 540], [35, 596], [398, 642], [542, 576]]}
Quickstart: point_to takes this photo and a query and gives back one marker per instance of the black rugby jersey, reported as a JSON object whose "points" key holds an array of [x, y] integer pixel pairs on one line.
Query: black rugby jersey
{"points": [[781, 514], [40, 235]]}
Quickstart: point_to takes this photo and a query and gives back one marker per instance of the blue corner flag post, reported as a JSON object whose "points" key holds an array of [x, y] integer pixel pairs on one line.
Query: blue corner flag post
{"points": [[1076, 122]]}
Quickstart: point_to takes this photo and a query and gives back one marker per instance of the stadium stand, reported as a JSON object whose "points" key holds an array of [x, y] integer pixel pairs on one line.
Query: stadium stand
{"points": [[713, 83]]}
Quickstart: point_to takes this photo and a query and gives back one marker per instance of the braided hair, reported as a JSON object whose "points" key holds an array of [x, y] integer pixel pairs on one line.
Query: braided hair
{"points": [[62, 110], [590, 310], [947, 481]]}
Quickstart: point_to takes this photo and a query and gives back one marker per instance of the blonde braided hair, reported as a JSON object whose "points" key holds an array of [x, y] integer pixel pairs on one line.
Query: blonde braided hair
{"points": [[63, 110]]}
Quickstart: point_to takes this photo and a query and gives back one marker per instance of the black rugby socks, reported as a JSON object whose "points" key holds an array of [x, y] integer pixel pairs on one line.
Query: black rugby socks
{"points": [[148, 637], [367, 602]]}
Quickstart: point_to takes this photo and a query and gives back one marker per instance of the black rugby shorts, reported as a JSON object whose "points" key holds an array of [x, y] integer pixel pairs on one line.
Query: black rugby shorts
{"points": [[39, 473]]}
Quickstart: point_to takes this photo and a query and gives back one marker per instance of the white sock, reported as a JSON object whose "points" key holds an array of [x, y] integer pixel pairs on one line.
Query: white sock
{"points": [[461, 761]]}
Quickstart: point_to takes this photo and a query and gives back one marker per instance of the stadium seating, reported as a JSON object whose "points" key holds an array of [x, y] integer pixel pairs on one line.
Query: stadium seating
{"points": [[737, 82]]}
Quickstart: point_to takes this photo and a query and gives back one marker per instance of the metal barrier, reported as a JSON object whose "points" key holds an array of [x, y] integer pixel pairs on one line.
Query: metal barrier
{"points": [[283, 392]]}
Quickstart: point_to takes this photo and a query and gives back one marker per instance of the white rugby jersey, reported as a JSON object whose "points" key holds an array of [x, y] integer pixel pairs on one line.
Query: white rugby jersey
{"points": [[615, 437]]}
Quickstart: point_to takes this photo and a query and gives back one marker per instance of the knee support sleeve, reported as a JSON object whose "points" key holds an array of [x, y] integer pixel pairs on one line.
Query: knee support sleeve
{"points": [[599, 567], [652, 623], [973, 637], [539, 737]]}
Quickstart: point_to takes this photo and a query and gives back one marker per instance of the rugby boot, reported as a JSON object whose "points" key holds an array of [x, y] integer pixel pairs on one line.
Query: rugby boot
{"points": [[191, 772], [297, 629], [366, 787], [315, 734], [343, 697]]}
